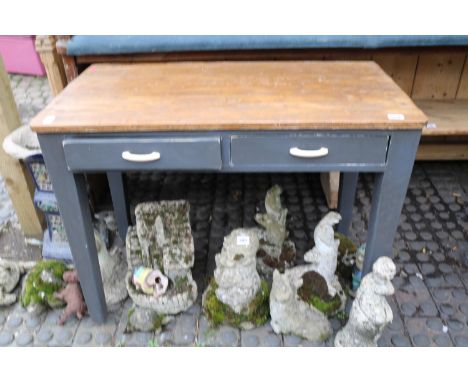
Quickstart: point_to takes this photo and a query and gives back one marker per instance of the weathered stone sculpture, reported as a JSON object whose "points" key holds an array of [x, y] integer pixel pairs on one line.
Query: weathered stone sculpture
{"points": [[236, 272], [113, 270], [9, 277], [324, 255], [290, 314], [236, 295], [275, 251], [370, 312], [10, 274], [162, 239]]}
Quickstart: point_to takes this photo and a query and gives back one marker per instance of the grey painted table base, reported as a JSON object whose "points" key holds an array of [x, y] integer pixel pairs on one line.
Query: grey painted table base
{"points": [[389, 154]]}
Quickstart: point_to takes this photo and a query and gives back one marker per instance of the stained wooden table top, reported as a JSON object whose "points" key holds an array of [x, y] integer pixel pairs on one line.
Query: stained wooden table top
{"points": [[190, 96]]}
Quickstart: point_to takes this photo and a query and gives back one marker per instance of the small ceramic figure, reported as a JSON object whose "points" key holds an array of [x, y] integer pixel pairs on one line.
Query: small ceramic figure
{"points": [[72, 296], [324, 255], [370, 312], [150, 281]]}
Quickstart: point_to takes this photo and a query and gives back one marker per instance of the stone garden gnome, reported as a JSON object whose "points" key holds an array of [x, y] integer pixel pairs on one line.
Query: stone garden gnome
{"points": [[370, 312], [324, 255], [275, 251]]}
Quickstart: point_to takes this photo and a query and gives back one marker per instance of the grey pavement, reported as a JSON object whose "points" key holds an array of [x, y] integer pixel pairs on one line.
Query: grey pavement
{"points": [[430, 305]]}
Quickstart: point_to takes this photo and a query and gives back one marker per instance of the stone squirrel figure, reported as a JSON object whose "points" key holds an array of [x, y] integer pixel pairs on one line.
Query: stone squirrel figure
{"points": [[72, 296], [291, 315], [324, 255], [370, 312]]}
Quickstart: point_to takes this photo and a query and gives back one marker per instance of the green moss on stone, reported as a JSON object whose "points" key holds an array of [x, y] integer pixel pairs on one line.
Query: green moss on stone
{"points": [[218, 313], [158, 321], [38, 291], [346, 244], [326, 307], [314, 291]]}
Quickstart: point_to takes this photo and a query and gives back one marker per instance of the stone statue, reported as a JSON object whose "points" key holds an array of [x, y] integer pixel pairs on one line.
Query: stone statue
{"points": [[10, 274], [274, 220], [161, 240], [291, 315], [275, 251], [370, 312], [324, 255], [236, 271]]}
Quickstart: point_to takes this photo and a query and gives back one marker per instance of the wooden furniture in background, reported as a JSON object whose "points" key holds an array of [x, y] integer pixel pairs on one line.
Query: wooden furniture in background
{"points": [[437, 74], [46, 47], [17, 179]]}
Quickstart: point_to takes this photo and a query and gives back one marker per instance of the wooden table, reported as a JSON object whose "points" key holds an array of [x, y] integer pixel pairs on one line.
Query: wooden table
{"points": [[228, 117]]}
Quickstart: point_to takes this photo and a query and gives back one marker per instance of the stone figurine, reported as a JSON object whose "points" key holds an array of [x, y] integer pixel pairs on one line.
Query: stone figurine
{"points": [[275, 251], [370, 312], [290, 314], [324, 255], [236, 271], [161, 242], [72, 296], [237, 295], [112, 264], [10, 275]]}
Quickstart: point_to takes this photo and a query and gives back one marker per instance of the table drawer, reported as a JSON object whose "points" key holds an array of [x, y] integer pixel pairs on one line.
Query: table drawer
{"points": [[306, 151], [104, 154]]}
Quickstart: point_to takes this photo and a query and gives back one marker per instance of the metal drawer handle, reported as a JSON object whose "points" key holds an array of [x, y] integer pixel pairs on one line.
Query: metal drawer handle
{"points": [[127, 155], [299, 153]]}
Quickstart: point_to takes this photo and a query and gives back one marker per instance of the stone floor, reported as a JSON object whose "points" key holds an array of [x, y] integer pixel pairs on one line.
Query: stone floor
{"points": [[431, 301]]}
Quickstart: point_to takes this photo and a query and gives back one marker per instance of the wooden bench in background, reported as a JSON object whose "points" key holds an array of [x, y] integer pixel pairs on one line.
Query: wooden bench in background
{"points": [[436, 78]]}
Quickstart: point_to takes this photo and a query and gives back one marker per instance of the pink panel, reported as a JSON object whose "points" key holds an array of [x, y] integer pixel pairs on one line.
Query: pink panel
{"points": [[19, 55]]}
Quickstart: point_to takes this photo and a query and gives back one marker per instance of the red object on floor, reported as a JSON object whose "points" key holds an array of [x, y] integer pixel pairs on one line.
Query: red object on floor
{"points": [[20, 56]]}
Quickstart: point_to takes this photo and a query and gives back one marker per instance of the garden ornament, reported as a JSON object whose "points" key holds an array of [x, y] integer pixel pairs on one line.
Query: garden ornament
{"points": [[150, 281], [10, 274], [72, 296], [275, 250], [291, 315], [324, 255], [370, 312]]}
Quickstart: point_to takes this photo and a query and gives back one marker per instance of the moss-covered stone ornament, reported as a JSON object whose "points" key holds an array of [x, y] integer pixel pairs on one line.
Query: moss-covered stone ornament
{"points": [[237, 295], [162, 239], [292, 315], [314, 291], [275, 250], [41, 283]]}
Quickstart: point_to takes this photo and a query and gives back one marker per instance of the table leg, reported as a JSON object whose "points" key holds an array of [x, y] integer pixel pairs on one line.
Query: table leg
{"points": [[119, 201], [389, 194], [72, 199], [348, 185]]}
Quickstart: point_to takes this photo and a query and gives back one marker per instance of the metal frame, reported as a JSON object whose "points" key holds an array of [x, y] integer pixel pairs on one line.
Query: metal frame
{"points": [[392, 180]]}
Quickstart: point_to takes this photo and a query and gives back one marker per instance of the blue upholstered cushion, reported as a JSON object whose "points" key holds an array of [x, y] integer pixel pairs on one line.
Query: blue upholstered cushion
{"points": [[98, 45]]}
